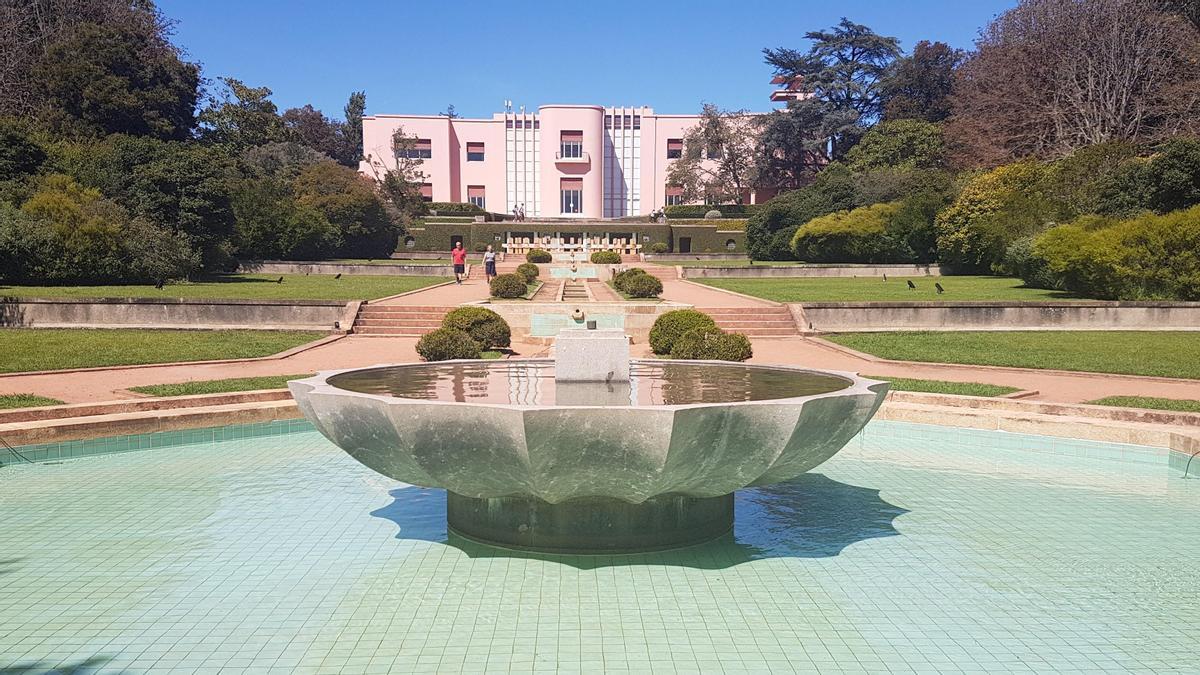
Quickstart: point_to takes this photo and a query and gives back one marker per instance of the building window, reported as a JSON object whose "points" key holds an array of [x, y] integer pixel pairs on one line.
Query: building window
{"points": [[571, 144], [674, 148], [674, 195], [474, 152], [571, 195], [714, 152], [427, 192], [730, 244], [422, 148], [476, 197]]}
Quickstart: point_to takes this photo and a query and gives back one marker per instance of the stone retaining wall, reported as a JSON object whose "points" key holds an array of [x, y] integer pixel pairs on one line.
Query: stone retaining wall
{"points": [[389, 269], [789, 271], [176, 313], [833, 317], [635, 318]]}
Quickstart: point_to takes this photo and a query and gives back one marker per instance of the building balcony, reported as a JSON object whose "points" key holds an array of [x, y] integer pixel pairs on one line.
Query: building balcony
{"points": [[582, 158]]}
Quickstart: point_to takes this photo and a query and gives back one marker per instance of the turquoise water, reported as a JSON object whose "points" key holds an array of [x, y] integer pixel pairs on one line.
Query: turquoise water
{"points": [[917, 549], [548, 325], [579, 273]]}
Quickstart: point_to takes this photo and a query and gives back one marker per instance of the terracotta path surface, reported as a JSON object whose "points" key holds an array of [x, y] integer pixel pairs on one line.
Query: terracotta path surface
{"points": [[359, 351]]}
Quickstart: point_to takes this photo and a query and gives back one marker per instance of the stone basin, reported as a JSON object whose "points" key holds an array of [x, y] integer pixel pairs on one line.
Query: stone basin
{"points": [[531, 462]]}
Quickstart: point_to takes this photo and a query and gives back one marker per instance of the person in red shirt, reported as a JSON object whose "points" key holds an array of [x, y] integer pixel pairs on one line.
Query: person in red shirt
{"points": [[459, 256]]}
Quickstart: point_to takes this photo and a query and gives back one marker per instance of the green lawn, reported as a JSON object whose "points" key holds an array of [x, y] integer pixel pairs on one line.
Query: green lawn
{"points": [[945, 386], [868, 289], [26, 349], [8, 401], [743, 262], [1159, 353], [1176, 404], [219, 386], [387, 261], [243, 287]]}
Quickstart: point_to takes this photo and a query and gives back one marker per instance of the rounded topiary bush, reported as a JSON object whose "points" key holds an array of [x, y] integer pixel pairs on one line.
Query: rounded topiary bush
{"points": [[445, 344], [606, 258], [712, 214], [529, 271], [508, 286], [711, 344], [668, 327], [659, 247], [624, 276], [643, 286], [539, 255], [484, 326]]}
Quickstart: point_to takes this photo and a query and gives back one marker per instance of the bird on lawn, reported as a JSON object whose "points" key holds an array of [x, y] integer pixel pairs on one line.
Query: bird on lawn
{"points": [[279, 280], [911, 285], [159, 285], [939, 288], [338, 275], [885, 276]]}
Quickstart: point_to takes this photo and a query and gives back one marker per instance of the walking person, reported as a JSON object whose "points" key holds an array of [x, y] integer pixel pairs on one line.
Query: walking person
{"points": [[458, 255], [489, 263]]}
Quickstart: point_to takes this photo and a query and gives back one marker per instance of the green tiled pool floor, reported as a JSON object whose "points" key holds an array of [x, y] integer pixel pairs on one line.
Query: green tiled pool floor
{"points": [[915, 550]]}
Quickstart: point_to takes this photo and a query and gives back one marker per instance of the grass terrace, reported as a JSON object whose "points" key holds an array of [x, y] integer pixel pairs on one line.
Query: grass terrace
{"points": [[1154, 353], [1150, 403], [875, 289], [10, 401], [945, 386], [243, 287], [31, 349]]}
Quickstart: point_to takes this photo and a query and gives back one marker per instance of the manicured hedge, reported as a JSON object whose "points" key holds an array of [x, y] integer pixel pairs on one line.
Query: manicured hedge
{"points": [[712, 344], [1149, 257], [538, 255], [668, 327], [606, 258], [529, 271], [893, 232], [698, 210], [508, 286], [448, 208], [484, 326], [643, 286], [445, 344]]}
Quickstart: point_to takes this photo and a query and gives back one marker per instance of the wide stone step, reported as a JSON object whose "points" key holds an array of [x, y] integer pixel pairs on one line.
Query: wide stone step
{"points": [[727, 311], [767, 332], [400, 323], [392, 330], [758, 324]]}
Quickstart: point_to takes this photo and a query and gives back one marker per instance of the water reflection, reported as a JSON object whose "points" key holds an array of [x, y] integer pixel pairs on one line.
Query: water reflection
{"points": [[532, 383], [809, 517]]}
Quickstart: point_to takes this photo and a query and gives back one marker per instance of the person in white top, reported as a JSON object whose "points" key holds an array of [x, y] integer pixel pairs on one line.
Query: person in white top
{"points": [[489, 263]]}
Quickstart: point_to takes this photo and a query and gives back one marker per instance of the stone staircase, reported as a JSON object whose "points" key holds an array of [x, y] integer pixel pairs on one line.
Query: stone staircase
{"points": [[398, 320], [575, 291], [663, 272], [764, 322]]}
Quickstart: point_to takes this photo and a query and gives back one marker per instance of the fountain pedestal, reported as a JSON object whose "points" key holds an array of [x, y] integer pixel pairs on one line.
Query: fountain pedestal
{"points": [[582, 355], [590, 524]]}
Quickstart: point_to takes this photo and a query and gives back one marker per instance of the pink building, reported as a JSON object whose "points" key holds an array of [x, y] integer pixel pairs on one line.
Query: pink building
{"points": [[583, 161]]}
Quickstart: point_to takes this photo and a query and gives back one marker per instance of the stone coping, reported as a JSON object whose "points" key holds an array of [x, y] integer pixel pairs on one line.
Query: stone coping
{"points": [[857, 385], [1074, 304], [4, 300]]}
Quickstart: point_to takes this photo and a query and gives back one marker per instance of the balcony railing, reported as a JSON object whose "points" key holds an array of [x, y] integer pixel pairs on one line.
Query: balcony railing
{"points": [[581, 158]]}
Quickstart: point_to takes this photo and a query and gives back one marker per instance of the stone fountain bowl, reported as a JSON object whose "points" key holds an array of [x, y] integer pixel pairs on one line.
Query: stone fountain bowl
{"points": [[558, 453], [609, 467]]}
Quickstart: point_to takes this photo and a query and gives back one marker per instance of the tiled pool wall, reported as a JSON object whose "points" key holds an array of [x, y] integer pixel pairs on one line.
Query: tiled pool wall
{"points": [[879, 435], [548, 325], [578, 273]]}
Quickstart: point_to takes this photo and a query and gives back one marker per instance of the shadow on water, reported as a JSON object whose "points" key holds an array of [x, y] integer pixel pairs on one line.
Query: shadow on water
{"points": [[9, 565], [808, 517], [89, 665]]}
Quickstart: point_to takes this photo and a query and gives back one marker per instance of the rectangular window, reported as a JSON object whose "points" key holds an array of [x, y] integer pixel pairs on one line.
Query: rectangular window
{"points": [[427, 192], [474, 152], [674, 195], [571, 192], [571, 144], [475, 196], [422, 148], [674, 148], [713, 152]]}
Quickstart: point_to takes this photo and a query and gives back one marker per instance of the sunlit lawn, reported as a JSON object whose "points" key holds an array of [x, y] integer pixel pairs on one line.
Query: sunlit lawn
{"points": [[875, 289], [27, 349], [244, 287], [1150, 402], [8, 401], [944, 386], [1158, 353]]}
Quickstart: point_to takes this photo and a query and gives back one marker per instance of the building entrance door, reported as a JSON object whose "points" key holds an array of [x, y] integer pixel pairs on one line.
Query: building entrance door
{"points": [[685, 244]]}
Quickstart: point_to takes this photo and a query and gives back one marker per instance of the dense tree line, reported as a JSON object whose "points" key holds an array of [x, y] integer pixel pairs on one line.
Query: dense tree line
{"points": [[119, 162], [1071, 124]]}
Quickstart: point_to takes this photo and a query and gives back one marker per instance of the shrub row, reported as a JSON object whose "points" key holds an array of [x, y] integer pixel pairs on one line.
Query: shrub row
{"points": [[448, 208], [529, 271], [539, 255], [508, 286], [892, 232], [1148, 257], [606, 258]]}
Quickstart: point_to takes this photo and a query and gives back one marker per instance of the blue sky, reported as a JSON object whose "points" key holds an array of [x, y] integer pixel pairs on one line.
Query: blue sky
{"points": [[417, 57]]}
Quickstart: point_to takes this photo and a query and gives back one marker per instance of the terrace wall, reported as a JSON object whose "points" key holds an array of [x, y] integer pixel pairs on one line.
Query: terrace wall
{"points": [[296, 267], [176, 313], [810, 270], [847, 317]]}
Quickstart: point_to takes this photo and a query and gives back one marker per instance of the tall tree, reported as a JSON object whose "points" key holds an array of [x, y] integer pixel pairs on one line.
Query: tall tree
{"points": [[918, 86], [352, 133], [399, 185], [719, 156], [311, 127], [242, 117], [1050, 76], [841, 75], [117, 79]]}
